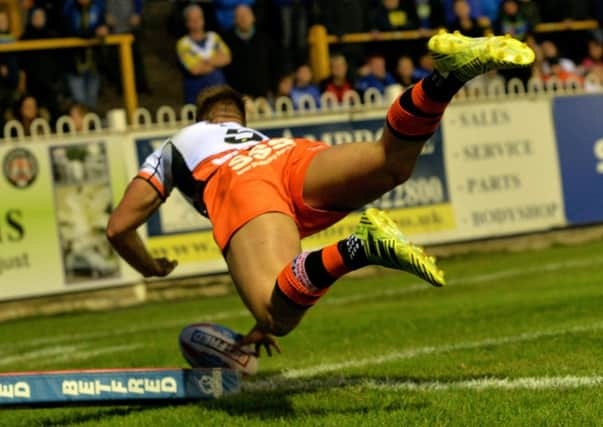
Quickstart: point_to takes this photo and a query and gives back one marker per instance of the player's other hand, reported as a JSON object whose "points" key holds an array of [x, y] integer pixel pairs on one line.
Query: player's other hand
{"points": [[259, 338], [162, 267]]}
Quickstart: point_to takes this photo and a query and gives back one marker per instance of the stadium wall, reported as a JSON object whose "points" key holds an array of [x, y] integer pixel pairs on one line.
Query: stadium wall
{"points": [[500, 165]]}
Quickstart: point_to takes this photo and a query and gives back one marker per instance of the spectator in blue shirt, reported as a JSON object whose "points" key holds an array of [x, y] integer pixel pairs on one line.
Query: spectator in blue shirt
{"points": [[485, 11], [375, 75], [303, 86], [425, 66]]}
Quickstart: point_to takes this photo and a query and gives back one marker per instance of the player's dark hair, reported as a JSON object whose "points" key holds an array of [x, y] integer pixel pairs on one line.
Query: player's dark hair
{"points": [[216, 94]]}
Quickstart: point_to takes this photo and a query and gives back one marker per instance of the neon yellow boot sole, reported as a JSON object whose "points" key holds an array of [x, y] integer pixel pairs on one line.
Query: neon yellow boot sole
{"points": [[468, 57]]}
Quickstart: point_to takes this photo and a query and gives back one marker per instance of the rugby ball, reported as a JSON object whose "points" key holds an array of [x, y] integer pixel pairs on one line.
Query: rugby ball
{"points": [[207, 345]]}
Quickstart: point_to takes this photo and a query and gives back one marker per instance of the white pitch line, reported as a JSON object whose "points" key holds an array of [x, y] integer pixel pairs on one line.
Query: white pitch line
{"points": [[528, 383], [43, 354], [313, 371], [469, 280], [342, 300], [134, 329], [92, 353], [525, 383]]}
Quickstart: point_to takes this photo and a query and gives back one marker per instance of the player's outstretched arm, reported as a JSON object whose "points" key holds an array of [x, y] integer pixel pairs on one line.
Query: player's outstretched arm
{"points": [[139, 202]]}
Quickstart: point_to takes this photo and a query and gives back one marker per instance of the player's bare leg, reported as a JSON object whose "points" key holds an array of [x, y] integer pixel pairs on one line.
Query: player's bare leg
{"points": [[350, 175], [256, 255]]}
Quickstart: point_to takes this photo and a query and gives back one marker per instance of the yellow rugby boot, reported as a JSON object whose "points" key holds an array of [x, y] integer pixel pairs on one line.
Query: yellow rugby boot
{"points": [[384, 244], [467, 57]]}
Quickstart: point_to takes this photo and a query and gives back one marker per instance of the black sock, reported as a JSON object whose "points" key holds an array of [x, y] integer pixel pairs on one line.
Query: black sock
{"points": [[440, 88]]}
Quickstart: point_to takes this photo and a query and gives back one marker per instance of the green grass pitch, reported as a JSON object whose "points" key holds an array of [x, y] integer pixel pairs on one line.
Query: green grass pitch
{"points": [[516, 339]]}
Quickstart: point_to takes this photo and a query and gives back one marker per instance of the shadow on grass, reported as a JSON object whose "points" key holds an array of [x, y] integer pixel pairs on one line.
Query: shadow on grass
{"points": [[53, 417], [274, 398], [277, 398]]}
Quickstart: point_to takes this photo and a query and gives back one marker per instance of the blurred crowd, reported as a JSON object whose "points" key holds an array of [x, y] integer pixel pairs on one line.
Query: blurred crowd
{"points": [[260, 47], [49, 83]]}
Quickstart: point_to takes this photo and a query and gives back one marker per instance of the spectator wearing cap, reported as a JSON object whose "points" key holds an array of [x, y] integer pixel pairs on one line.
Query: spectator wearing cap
{"points": [[201, 54]]}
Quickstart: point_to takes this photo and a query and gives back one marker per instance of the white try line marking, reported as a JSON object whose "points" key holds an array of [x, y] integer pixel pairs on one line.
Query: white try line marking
{"points": [[85, 336], [312, 371], [39, 354], [465, 281], [341, 300], [525, 383], [56, 354], [88, 354]]}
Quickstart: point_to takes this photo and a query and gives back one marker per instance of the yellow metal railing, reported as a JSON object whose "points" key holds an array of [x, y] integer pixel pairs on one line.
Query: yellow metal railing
{"points": [[319, 40], [124, 43]]}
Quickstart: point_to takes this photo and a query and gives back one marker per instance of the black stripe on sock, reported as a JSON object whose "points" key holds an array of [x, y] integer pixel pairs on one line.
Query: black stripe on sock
{"points": [[317, 273], [407, 103], [400, 135]]}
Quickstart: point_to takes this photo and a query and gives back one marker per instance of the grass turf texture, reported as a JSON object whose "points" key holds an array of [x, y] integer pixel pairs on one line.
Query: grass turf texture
{"points": [[514, 315]]}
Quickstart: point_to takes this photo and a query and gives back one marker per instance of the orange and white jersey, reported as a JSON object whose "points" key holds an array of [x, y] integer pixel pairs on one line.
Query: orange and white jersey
{"points": [[176, 163]]}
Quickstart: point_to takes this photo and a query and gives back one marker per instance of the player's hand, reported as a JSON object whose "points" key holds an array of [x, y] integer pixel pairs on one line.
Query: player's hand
{"points": [[163, 267], [260, 338]]}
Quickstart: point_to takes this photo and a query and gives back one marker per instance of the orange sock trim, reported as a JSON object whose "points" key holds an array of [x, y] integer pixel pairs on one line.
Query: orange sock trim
{"points": [[333, 262], [295, 290], [424, 103], [407, 124]]}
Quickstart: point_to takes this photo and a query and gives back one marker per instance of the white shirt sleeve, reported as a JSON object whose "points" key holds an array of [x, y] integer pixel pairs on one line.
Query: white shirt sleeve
{"points": [[157, 170]]}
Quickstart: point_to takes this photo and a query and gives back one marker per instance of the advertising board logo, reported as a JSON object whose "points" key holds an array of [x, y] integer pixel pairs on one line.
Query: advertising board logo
{"points": [[20, 167]]}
